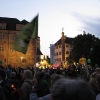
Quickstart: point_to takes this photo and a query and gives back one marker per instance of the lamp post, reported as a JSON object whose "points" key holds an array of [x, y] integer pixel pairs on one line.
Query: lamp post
{"points": [[21, 60], [42, 57], [37, 65]]}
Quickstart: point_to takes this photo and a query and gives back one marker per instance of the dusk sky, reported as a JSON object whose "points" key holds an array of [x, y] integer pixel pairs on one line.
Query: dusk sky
{"points": [[75, 16]]}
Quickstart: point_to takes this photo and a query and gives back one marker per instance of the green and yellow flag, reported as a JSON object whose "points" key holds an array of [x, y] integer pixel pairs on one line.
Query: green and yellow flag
{"points": [[23, 37]]}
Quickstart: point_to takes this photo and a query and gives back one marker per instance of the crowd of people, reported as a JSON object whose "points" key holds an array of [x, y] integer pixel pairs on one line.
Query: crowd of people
{"points": [[73, 83]]}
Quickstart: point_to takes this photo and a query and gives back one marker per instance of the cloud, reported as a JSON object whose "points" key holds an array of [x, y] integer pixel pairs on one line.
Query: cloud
{"points": [[91, 24]]}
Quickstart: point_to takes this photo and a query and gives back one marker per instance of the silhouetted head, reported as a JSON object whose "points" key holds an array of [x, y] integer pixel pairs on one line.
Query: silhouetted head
{"points": [[65, 89]]}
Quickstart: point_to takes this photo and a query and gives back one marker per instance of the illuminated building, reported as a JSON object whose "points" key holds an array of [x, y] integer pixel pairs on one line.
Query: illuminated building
{"points": [[63, 48], [8, 29]]}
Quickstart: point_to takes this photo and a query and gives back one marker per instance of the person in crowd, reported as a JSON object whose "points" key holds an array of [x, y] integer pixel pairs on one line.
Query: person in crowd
{"points": [[58, 71], [71, 72], [19, 76], [27, 85], [93, 83], [13, 79], [5, 84], [43, 85], [94, 67], [33, 95], [97, 70], [2, 96], [55, 77], [98, 86], [9, 71], [66, 89]]}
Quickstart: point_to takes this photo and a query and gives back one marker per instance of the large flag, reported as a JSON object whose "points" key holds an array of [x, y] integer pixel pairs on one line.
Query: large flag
{"points": [[23, 37]]}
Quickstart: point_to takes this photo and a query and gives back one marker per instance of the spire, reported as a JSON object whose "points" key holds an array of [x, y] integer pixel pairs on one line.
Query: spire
{"points": [[62, 29], [62, 32]]}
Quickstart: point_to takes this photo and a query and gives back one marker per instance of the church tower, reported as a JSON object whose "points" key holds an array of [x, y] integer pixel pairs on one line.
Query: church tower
{"points": [[63, 38]]}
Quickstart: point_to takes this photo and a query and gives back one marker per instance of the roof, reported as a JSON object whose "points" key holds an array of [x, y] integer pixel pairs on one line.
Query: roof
{"points": [[24, 22], [11, 22], [68, 40], [39, 52]]}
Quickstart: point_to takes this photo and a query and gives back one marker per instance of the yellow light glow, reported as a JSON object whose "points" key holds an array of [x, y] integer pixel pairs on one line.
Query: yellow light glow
{"points": [[42, 56]]}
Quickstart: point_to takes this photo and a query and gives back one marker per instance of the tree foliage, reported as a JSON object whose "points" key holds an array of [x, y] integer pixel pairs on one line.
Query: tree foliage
{"points": [[87, 45]]}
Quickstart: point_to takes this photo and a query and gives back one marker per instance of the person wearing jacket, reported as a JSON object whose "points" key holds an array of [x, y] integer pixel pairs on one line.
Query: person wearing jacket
{"points": [[5, 85], [27, 85]]}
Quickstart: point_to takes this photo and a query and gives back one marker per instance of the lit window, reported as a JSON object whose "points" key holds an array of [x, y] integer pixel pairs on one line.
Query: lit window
{"points": [[1, 48], [11, 50]]}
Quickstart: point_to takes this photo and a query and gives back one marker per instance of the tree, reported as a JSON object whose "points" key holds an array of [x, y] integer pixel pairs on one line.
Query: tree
{"points": [[87, 45]]}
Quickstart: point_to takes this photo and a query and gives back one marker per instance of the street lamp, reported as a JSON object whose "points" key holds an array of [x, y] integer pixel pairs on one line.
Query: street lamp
{"points": [[21, 58], [37, 65], [42, 57]]}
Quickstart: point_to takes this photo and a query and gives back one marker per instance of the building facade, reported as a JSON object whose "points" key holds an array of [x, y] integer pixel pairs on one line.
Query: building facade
{"points": [[63, 48], [9, 27], [52, 53]]}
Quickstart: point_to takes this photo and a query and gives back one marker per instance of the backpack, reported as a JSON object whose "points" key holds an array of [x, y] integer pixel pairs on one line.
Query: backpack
{"points": [[17, 93]]}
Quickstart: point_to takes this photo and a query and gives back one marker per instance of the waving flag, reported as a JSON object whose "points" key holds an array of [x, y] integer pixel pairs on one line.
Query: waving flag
{"points": [[23, 37]]}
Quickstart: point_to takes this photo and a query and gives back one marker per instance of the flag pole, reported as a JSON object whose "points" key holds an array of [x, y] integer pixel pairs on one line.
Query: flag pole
{"points": [[35, 57]]}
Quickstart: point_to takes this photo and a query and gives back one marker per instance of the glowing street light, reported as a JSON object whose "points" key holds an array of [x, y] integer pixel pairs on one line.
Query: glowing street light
{"points": [[37, 64], [21, 58]]}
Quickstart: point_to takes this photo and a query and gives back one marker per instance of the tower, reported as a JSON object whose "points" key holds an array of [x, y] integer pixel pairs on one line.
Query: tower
{"points": [[63, 44]]}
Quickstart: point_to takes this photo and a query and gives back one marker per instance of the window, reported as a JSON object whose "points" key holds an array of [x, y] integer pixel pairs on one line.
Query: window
{"points": [[67, 58], [1, 48], [23, 60], [1, 36], [11, 50], [71, 46], [59, 59], [59, 53], [67, 52], [59, 46], [21, 27], [12, 37], [56, 47], [0, 25], [5, 60], [67, 45]]}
